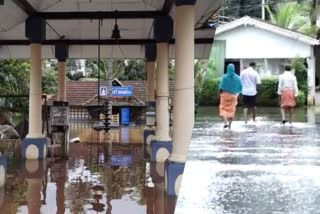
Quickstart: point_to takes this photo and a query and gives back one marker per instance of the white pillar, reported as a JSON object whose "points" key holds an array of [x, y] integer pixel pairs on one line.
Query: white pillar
{"points": [[62, 90], [311, 78], [162, 93], [183, 111], [35, 105], [151, 66]]}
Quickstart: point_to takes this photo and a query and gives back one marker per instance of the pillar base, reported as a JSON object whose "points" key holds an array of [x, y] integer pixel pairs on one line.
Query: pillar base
{"points": [[34, 148], [3, 170], [148, 135], [174, 173], [160, 150]]}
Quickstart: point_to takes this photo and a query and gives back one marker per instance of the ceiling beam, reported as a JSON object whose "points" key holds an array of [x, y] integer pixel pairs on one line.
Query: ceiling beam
{"points": [[102, 42], [101, 15], [25, 6]]}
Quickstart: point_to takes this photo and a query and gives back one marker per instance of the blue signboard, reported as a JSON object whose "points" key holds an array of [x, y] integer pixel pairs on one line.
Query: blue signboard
{"points": [[117, 91], [121, 160], [122, 91]]}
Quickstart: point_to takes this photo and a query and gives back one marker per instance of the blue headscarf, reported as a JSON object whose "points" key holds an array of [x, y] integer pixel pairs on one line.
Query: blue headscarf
{"points": [[231, 82]]}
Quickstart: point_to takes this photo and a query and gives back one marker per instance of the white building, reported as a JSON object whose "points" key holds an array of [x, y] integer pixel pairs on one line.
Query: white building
{"points": [[249, 39]]}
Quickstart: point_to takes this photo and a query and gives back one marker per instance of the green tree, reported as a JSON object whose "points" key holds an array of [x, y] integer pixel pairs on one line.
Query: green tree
{"points": [[293, 16], [49, 77], [134, 70], [301, 72], [14, 84], [200, 70]]}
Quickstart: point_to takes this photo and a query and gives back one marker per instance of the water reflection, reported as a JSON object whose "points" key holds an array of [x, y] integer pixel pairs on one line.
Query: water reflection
{"points": [[257, 168], [102, 175]]}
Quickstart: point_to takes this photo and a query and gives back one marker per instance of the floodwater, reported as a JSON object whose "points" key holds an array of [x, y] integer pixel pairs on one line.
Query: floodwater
{"points": [[258, 168], [105, 173]]}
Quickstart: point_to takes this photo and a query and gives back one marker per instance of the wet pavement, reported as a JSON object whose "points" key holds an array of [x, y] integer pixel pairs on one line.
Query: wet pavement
{"points": [[259, 168], [104, 174]]}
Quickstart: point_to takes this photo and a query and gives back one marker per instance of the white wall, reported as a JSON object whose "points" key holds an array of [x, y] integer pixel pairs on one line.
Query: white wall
{"points": [[274, 66], [252, 43]]}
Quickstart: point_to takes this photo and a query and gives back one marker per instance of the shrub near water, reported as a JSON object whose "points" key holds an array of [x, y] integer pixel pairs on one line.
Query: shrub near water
{"points": [[267, 94]]}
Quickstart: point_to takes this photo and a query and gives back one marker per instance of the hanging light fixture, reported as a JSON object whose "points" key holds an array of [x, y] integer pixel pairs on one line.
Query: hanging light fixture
{"points": [[116, 31]]}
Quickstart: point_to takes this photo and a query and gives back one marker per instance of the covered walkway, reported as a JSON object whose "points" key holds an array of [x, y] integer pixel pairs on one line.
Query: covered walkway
{"points": [[113, 29]]}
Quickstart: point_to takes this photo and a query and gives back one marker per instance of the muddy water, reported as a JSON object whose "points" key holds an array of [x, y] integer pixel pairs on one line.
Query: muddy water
{"points": [[105, 173]]}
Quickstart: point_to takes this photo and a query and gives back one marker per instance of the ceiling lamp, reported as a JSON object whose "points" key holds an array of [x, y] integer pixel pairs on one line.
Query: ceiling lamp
{"points": [[116, 31]]}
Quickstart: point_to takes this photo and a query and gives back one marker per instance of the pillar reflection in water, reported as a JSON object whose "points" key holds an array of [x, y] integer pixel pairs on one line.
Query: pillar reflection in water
{"points": [[59, 176], [158, 200]]}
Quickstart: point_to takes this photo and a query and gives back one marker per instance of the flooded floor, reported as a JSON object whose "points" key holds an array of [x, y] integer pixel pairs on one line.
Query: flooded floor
{"points": [[104, 174], [259, 168]]}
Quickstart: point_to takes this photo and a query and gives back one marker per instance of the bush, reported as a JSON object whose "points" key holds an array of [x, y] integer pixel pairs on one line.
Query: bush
{"points": [[267, 95], [210, 92], [301, 72]]}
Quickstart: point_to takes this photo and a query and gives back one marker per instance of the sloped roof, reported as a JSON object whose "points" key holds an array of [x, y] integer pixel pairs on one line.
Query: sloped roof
{"points": [[258, 23], [80, 93], [79, 31]]}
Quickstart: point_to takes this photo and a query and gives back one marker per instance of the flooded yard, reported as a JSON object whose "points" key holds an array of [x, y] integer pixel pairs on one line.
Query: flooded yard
{"points": [[259, 168], [256, 168]]}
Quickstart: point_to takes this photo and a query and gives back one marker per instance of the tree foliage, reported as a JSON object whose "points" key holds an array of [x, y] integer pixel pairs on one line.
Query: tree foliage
{"points": [[49, 77], [14, 81]]}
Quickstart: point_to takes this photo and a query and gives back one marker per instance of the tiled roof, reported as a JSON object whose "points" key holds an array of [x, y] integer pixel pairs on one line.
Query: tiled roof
{"points": [[85, 92]]}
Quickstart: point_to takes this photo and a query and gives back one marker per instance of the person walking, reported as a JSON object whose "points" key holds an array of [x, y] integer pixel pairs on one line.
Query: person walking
{"points": [[288, 92], [250, 80], [230, 88]]}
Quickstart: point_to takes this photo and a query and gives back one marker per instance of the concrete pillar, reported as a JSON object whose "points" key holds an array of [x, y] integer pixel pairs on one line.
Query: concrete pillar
{"points": [[151, 55], [62, 54], [35, 144], [62, 90], [311, 78], [162, 93], [151, 67], [183, 112], [35, 107], [161, 146]]}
